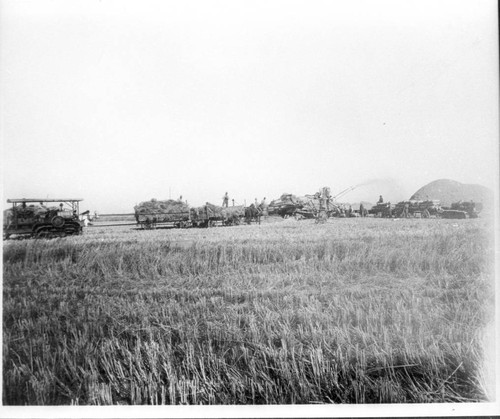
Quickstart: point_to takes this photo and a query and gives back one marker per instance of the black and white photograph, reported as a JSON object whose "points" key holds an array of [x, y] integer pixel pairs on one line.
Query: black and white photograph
{"points": [[230, 208]]}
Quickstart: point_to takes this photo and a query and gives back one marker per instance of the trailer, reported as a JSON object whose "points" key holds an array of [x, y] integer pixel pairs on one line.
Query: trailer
{"points": [[152, 220], [382, 210], [177, 214], [170, 213]]}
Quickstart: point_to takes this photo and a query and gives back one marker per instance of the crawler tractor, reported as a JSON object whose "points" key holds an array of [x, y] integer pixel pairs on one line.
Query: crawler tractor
{"points": [[32, 218]]}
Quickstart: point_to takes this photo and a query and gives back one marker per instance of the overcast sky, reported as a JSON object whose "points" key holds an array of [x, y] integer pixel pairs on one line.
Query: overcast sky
{"points": [[119, 102]]}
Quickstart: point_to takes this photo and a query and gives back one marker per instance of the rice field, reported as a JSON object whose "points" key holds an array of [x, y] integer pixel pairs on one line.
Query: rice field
{"points": [[350, 311]]}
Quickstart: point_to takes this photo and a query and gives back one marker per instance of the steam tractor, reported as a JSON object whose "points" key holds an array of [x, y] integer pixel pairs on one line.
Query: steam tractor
{"points": [[32, 218]]}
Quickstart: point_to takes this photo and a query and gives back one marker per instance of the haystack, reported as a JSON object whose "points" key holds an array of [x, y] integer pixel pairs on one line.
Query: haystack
{"points": [[214, 212], [231, 212], [162, 211]]}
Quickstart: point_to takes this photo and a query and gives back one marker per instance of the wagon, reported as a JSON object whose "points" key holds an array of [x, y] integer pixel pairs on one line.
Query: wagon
{"points": [[210, 215], [149, 221], [418, 209], [170, 213]]}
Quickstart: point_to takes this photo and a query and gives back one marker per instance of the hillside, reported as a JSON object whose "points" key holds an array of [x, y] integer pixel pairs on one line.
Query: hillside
{"points": [[448, 191]]}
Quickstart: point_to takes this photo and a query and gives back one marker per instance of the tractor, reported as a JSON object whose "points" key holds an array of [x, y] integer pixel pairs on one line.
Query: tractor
{"points": [[32, 218]]}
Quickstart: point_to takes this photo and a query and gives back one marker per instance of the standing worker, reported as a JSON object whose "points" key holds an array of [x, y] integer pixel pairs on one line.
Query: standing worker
{"points": [[406, 210], [380, 200], [225, 200], [263, 206]]}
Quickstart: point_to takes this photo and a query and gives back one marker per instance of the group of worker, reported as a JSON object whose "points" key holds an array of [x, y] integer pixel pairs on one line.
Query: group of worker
{"points": [[262, 205]]}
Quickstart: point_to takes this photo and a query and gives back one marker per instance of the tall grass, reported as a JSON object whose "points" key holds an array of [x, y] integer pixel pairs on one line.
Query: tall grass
{"points": [[352, 311]]}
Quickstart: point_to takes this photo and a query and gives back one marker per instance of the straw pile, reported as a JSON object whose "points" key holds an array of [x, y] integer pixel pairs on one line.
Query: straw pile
{"points": [[162, 211], [211, 212], [233, 214], [214, 212]]}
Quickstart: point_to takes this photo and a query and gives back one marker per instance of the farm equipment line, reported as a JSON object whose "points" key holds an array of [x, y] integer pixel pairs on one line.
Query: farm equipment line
{"points": [[40, 221]]}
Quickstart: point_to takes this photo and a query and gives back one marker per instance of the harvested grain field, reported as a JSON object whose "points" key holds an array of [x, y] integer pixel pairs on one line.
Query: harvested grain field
{"points": [[350, 311]]}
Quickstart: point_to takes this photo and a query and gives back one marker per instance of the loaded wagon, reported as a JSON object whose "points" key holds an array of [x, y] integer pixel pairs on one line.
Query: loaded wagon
{"points": [[382, 210], [210, 215], [417, 209], [178, 214], [461, 210], [169, 213]]}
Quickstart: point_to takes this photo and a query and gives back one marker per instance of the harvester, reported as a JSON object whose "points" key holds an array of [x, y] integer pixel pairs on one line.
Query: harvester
{"points": [[322, 203]]}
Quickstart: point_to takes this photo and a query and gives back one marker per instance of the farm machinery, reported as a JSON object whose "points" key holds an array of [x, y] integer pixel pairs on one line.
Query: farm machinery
{"points": [[32, 218], [425, 209], [320, 206], [407, 209], [461, 210], [382, 210], [415, 209]]}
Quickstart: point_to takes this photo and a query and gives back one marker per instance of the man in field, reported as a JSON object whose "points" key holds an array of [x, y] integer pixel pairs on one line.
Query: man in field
{"points": [[263, 207], [225, 200], [361, 210], [406, 210]]}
